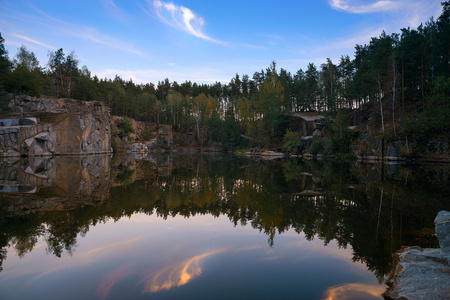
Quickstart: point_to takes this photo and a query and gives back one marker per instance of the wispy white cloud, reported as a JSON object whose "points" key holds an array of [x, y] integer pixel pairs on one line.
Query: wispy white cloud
{"points": [[317, 51], [182, 18], [88, 33], [254, 46], [174, 73], [406, 12], [349, 42], [356, 7], [108, 3], [419, 12], [34, 41], [93, 35], [12, 43], [115, 11]]}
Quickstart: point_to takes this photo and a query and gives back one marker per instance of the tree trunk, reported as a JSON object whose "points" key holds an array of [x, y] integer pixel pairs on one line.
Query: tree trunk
{"points": [[423, 92], [61, 77], [381, 102], [403, 89], [393, 97], [379, 211]]}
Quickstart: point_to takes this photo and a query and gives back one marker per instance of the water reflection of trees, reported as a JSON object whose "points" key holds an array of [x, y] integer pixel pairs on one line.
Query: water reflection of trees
{"points": [[373, 209]]}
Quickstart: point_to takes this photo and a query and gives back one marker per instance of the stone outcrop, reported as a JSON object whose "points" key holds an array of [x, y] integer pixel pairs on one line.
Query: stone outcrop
{"points": [[48, 126], [423, 273], [144, 138], [307, 122]]}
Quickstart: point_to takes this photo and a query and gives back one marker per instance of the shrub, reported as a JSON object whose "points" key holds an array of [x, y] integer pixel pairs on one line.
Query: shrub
{"points": [[316, 147], [125, 127], [341, 134], [147, 133], [292, 142]]}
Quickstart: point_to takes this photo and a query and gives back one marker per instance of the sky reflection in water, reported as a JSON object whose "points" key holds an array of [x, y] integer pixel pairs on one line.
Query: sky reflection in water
{"points": [[211, 228], [199, 257]]}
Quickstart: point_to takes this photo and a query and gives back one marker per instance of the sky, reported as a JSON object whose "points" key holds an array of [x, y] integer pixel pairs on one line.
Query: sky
{"points": [[203, 41]]}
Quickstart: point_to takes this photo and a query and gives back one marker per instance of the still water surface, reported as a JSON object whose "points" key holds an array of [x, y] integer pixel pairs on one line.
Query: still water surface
{"points": [[177, 227]]}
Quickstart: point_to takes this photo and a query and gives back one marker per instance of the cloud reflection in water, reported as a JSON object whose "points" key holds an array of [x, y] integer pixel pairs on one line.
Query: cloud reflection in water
{"points": [[113, 278], [177, 275], [354, 291]]}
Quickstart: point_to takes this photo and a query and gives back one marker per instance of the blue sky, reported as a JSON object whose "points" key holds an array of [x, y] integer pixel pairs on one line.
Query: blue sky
{"points": [[202, 40]]}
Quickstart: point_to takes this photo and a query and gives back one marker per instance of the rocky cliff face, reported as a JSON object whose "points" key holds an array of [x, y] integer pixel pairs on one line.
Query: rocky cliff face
{"points": [[49, 126], [144, 138]]}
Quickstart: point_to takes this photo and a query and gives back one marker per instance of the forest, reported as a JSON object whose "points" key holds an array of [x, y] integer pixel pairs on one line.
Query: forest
{"points": [[404, 77]]}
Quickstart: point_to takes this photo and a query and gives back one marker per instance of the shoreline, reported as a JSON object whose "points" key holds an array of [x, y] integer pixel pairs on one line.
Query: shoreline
{"points": [[422, 273]]}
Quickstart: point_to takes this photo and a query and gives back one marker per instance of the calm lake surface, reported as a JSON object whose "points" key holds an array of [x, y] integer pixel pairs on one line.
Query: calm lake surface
{"points": [[209, 227]]}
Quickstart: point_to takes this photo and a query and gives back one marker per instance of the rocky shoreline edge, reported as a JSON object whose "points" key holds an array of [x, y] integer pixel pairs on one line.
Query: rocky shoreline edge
{"points": [[420, 273]]}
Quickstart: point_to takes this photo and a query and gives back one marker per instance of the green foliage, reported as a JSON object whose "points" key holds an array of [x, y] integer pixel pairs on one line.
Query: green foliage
{"points": [[341, 134], [350, 158], [253, 143], [292, 142], [4, 63], [25, 76], [23, 81], [293, 169], [225, 132], [270, 105], [147, 133], [247, 116], [316, 146], [63, 69], [434, 121], [114, 146], [125, 127], [125, 174], [438, 108]]}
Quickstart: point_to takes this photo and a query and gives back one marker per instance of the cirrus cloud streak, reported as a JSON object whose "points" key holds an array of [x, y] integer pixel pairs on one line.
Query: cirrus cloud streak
{"points": [[182, 18], [352, 6]]}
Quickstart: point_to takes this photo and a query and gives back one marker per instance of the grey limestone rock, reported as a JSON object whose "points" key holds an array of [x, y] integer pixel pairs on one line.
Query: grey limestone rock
{"points": [[442, 222], [49, 126], [423, 273]]}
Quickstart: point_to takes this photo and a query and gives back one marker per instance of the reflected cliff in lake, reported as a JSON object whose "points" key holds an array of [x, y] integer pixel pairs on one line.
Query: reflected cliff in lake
{"points": [[372, 208]]}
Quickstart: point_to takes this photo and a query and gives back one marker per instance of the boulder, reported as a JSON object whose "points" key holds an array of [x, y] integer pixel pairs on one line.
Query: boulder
{"points": [[317, 133], [28, 121], [42, 144], [423, 273], [164, 130], [442, 222], [9, 122], [419, 274]]}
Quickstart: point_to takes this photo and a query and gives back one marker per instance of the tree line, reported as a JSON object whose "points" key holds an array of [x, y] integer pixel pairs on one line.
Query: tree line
{"points": [[399, 72]]}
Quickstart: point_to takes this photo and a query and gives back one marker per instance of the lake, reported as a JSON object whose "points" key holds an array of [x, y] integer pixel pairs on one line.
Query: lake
{"points": [[209, 227]]}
